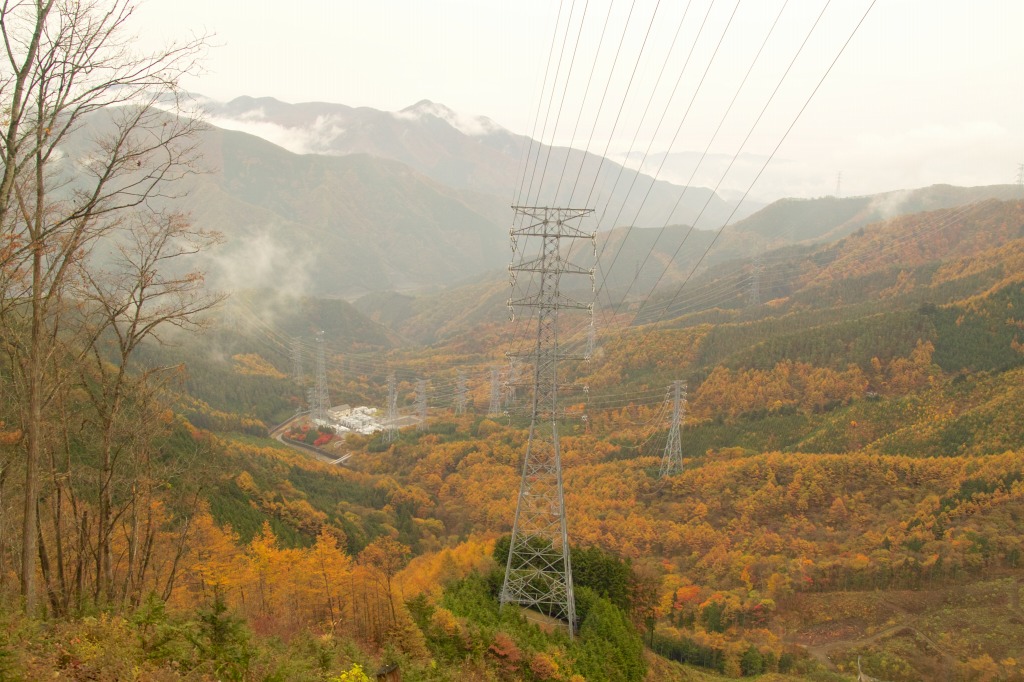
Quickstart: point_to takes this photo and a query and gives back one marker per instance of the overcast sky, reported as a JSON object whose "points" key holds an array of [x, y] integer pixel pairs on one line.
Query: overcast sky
{"points": [[927, 91]]}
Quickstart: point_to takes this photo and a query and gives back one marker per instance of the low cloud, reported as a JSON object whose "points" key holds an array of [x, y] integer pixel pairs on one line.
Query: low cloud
{"points": [[473, 126], [318, 138], [258, 262]]}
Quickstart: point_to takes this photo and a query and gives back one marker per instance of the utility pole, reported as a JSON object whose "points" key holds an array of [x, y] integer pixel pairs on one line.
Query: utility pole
{"points": [[421, 404], [460, 394], [322, 401], [538, 573], [495, 406], [672, 460], [391, 425]]}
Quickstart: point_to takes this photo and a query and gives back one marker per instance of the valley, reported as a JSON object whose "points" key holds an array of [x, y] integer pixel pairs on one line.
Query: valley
{"points": [[332, 381], [850, 453]]}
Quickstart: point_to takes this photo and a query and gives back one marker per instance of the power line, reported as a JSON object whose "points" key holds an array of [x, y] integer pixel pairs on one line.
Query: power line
{"points": [[781, 140], [700, 161], [540, 100], [551, 100]]}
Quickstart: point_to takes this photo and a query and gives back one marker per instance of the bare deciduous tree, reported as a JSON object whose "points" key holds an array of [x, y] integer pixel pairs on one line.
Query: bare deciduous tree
{"points": [[86, 135], [142, 290]]}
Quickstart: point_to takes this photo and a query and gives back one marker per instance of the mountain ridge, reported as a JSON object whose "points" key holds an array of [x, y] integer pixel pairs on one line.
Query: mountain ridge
{"points": [[427, 137]]}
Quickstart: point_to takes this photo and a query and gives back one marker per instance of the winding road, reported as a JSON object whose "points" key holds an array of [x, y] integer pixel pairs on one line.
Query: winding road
{"points": [[277, 433]]}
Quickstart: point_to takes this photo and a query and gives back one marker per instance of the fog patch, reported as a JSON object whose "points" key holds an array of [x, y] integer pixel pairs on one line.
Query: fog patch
{"points": [[258, 262], [316, 138]]}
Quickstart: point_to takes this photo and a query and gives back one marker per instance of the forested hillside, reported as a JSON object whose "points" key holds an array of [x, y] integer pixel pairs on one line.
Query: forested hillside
{"points": [[837, 490], [851, 487]]}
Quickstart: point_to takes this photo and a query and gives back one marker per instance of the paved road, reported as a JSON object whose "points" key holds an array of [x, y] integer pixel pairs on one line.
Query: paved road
{"points": [[278, 435]]}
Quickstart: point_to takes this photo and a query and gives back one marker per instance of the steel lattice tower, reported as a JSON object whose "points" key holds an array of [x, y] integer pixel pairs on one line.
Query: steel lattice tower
{"points": [[421, 404], [513, 379], [755, 284], [495, 406], [297, 369], [460, 394], [591, 337], [297, 360], [672, 460], [391, 425], [321, 400], [539, 570]]}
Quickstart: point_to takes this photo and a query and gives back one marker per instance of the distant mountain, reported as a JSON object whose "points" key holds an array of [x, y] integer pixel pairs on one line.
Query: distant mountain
{"points": [[914, 258], [810, 220], [826, 234], [338, 225], [358, 220], [473, 153]]}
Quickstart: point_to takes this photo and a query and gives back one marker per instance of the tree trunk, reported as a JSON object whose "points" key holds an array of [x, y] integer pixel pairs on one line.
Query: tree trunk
{"points": [[29, 547]]}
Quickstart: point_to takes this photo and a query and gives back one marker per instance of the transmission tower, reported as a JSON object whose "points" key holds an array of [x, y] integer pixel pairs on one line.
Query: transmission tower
{"points": [[755, 282], [391, 425], [460, 394], [1020, 178], [591, 337], [297, 369], [421, 404], [321, 401], [539, 570], [495, 406], [672, 460], [513, 381], [839, 184], [297, 360]]}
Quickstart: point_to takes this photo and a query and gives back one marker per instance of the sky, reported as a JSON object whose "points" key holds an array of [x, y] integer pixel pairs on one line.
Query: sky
{"points": [[926, 91]]}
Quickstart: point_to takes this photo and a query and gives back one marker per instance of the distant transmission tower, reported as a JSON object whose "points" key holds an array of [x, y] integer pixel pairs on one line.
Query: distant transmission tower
{"points": [[513, 381], [391, 425], [297, 360], [321, 401], [460, 394], [297, 369], [421, 404], [495, 406], [672, 460], [755, 282], [1020, 178], [839, 184], [539, 570]]}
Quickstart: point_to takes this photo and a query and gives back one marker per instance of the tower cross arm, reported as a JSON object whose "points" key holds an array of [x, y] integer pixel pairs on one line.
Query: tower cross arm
{"points": [[561, 267], [551, 222], [541, 300]]}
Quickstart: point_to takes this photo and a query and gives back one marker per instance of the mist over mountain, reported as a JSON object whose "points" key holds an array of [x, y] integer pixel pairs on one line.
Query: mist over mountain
{"points": [[409, 201], [474, 152], [699, 271]]}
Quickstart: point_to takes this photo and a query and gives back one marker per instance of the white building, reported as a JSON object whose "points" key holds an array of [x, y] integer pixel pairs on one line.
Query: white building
{"points": [[360, 419]]}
